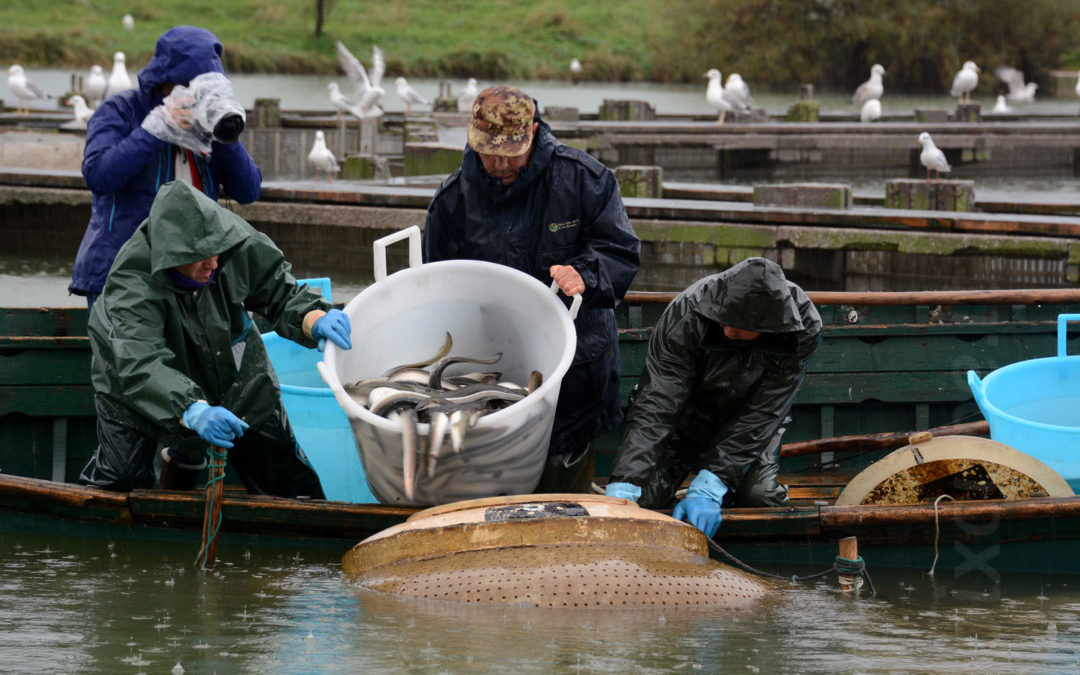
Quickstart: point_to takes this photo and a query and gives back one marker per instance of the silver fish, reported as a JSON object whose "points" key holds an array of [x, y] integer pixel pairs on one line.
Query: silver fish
{"points": [[443, 351], [461, 420], [410, 448], [384, 400], [536, 378], [435, 382], [440, 421]]}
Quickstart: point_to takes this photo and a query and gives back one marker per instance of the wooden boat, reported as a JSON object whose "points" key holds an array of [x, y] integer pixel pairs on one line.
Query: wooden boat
{"points": [[888, 361]]}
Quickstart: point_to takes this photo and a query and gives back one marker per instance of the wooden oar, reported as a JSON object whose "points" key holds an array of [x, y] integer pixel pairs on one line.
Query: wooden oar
{"points": [[215, 483]]}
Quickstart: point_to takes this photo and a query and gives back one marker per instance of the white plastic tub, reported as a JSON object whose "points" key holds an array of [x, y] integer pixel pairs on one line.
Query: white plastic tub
{"points": [[486, 308]]}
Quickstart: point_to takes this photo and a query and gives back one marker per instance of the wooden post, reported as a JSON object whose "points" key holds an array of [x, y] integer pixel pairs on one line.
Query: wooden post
{"points": [[849, 548], [215, 483]]}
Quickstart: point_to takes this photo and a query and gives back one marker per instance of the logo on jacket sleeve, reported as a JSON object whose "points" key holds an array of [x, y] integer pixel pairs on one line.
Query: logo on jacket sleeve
{"points": [[565, 225]]}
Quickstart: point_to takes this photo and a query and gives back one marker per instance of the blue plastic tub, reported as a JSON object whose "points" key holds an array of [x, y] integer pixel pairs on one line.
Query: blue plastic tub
{"points": [[320, 425], [1034, 406]]}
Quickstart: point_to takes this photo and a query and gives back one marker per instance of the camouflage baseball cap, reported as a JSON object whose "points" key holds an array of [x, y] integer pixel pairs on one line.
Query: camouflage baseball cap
{"points": [[502, 122]]}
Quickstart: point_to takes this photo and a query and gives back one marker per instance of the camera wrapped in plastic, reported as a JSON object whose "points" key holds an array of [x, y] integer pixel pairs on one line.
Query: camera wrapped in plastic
{"points": [[195, 116]]}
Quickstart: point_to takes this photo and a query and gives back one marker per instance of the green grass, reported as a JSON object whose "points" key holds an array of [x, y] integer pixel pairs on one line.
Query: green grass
{"points": [[778, 42], [487, 38]]}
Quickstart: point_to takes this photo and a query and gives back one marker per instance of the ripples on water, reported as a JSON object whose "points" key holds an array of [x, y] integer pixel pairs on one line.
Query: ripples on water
{"points": [[70, 604]]}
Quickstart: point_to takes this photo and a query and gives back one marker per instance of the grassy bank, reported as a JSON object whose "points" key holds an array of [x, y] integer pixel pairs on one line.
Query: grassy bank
{"points": [[492, 39], [773, 43]]}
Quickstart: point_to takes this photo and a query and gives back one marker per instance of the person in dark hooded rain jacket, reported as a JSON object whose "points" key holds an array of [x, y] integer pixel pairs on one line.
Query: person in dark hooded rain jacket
{"points": [[124, 165], [524, 200], [722, 368], [177, 361]]}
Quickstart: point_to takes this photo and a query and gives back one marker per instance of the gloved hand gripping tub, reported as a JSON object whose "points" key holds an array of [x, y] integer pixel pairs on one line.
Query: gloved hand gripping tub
{"points": [[487, 309]]}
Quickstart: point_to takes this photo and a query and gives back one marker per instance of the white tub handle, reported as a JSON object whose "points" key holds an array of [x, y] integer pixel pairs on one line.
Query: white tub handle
{"points": [[379, 249], [575, 304], [1063, 321]]}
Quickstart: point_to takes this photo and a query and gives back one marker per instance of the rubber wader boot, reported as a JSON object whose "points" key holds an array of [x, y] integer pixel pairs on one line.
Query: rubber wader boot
{"points": [[177, 474], [569, 472], [759, 487]]}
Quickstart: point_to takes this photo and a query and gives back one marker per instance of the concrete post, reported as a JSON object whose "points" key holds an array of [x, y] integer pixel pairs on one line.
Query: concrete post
{"points": [[266, 113], [939, 195], [613, 110], [803, 111], [931, 115], [557, 113], [640, 181], [968, 112], [806, 92], [804, 195]]}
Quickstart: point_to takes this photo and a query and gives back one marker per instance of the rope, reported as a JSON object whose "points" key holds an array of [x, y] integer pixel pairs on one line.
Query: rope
{"points": [[937, 529], [843, 566], [216, 474]]}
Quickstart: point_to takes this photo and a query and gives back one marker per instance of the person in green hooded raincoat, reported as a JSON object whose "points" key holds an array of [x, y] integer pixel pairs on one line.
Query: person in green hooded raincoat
{"points": [[178, 363], [722, 368]]}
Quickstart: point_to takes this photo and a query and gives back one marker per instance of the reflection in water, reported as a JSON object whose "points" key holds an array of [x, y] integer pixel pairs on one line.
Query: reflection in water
{"points": [[99, 605]]}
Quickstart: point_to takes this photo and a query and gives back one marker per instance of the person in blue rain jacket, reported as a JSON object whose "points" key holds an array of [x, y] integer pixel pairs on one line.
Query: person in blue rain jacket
{"points": [[124, 165], [524, 200]]}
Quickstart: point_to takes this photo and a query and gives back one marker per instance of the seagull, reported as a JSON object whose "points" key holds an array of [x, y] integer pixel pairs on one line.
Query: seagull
{"points": [[871, 111], [369, 93], [24, 89], [932, 157], [82, 111], [872, 88], [720, 99], [128, 22], [965, 81], [1000, 106], [467, 96], [1014, 79], [408, 94], [346, 105], [738, 88], [322, 158], [95, 85], [575, 70], [119, 80]]}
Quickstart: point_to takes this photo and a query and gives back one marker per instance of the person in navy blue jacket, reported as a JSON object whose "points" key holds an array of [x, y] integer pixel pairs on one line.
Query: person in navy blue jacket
{"points": [[124, 165], [524, 200]]}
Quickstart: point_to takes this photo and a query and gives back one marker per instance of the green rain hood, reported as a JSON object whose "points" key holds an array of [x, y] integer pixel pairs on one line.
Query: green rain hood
{"points": [[159, 348]]}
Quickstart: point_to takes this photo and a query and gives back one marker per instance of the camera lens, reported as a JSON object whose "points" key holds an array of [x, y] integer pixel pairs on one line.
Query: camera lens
{"points": [[229, 128]]}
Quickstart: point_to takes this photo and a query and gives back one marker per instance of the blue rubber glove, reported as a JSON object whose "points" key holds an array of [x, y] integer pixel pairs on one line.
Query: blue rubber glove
{"points": [[214, 424], [333, 326], [623, 491], [701, 506]]}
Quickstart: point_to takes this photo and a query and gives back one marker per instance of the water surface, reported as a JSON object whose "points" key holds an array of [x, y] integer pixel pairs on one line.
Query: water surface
{"points": [[98, 605]]}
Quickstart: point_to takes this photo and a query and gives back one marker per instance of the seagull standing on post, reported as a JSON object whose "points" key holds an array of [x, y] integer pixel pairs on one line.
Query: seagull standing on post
{"points": [[95, 85], [720, 99], [467, 96], [408, 94], [871, 111], [872, 88], [932, 157], [965, 82], [82, 111], [24, 89], [322, 158], [119, 79]]}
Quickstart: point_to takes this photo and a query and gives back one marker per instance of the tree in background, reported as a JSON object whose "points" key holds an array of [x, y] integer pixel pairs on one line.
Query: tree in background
{"points": [[921, 43], [322, 8]]}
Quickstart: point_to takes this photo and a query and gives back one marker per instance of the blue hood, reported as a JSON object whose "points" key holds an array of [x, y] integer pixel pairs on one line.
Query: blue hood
{"points": [[181, 54]]}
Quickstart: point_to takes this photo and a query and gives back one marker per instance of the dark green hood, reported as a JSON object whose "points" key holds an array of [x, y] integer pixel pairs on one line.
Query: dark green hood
{"points": [[186, 227], [756, 296]]}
